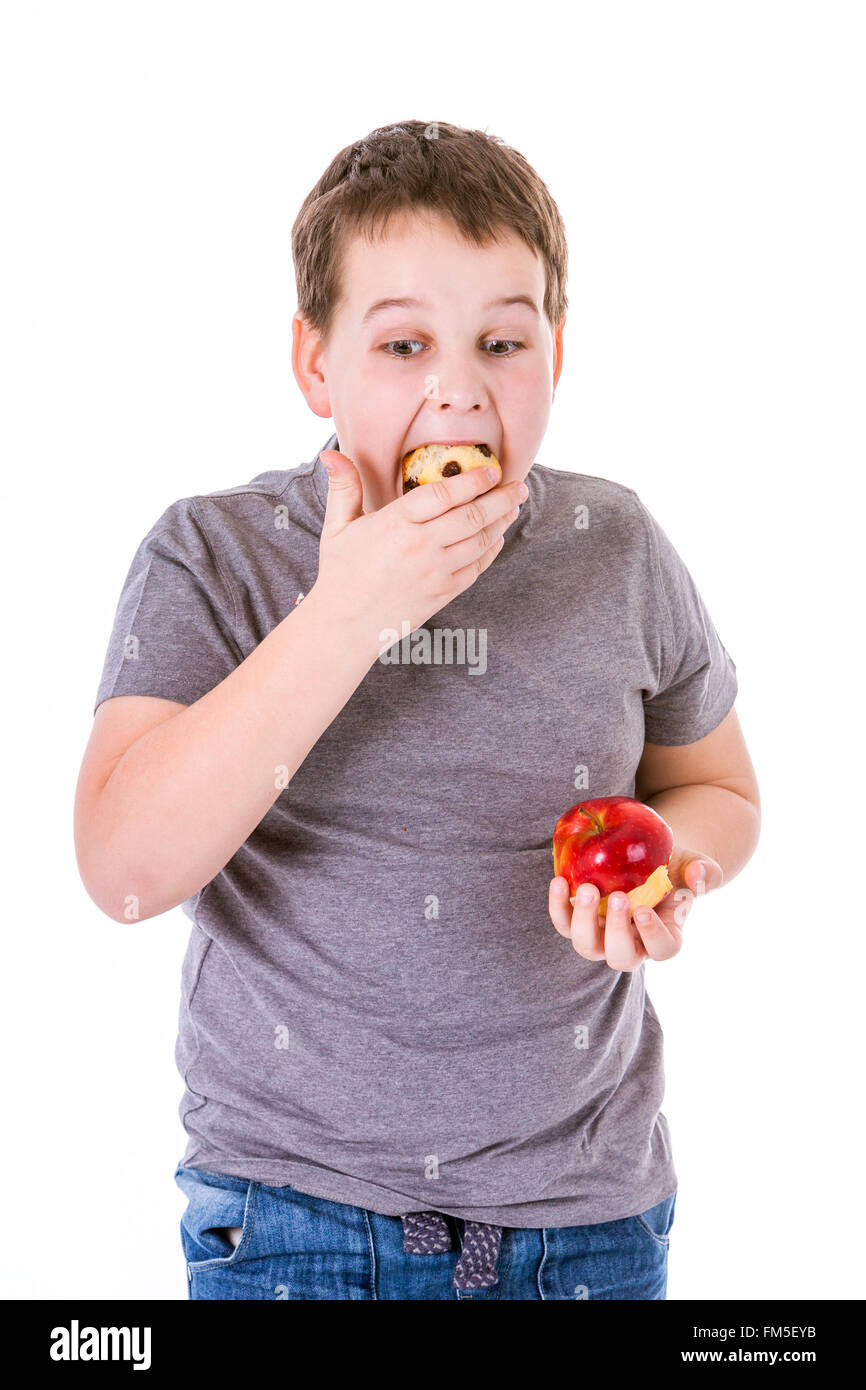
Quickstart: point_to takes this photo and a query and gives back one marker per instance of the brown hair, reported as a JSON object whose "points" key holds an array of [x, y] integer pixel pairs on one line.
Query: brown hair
{"points": [[474, 178]]}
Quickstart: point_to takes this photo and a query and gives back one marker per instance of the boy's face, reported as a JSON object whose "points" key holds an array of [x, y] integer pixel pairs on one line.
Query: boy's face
{"points": [[447, 368]]}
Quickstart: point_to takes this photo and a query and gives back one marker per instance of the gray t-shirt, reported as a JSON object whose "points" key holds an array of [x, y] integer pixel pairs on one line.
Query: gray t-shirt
{"points": [[376, 1008]]}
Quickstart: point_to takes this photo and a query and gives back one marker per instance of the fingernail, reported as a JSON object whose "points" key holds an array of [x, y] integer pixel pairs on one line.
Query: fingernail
{"points": [[643, 916], [618, 901], [586, 895], [559, 888], [701, 870]]}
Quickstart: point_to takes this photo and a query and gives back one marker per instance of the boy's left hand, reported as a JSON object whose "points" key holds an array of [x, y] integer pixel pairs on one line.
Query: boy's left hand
{"points": [[624, 943]]}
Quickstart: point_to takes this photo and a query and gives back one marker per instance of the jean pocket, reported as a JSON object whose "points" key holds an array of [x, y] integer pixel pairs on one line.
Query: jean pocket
{"points": [[216, 1202], [657, 1221]]}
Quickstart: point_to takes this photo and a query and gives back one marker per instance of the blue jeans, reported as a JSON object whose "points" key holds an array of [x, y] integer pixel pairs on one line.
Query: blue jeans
{"points": [[292, 1246]]}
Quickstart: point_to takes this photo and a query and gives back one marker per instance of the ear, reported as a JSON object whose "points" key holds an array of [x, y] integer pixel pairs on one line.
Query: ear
{"points": [[557, 359], [308, 365]]}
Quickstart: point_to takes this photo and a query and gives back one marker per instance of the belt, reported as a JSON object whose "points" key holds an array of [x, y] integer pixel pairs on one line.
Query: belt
{"points": [[427, 1233]]}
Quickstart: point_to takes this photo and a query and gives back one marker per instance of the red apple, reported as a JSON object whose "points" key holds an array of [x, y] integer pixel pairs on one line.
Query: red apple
{"points": [[618, 844]]}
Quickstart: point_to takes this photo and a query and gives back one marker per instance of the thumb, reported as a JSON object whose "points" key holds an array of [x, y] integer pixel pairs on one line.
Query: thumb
{"points": [[700, 873], [345, 491]]}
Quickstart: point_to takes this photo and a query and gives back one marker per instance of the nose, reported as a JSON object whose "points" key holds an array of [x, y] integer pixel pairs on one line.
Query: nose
{"points": [[459, 386]]}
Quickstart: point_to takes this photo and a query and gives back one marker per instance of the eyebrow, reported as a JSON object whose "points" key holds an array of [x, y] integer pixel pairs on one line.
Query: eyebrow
{"points": [[382, 304]]}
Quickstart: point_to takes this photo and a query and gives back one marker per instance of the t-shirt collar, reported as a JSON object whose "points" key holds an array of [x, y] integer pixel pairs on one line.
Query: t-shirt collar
{"points": [[320, 477]]}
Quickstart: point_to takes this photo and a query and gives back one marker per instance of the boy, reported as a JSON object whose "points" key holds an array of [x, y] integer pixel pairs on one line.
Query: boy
{"points": [[412, 1071]]}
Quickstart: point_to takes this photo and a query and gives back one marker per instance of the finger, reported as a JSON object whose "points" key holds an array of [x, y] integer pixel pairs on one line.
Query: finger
{"points": [[702, 874], [661, 939], [463, 523], [685, 872], [345, 491], [434, 499], [676, 905], [558, 906], [459, 556], [623, 951], [587, 934], [469, 573]]}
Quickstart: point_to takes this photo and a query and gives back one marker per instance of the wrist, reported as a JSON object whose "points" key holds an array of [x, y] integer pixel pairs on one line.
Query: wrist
{"points": [[348, 626]]}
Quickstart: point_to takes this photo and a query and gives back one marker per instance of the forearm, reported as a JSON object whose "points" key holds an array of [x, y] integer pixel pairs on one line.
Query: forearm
{"points": [[184, 798], [711, 820]]}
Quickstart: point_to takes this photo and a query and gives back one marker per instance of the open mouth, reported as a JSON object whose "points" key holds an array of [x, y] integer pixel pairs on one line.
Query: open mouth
{"points": [[480, 444], [428, 463]]}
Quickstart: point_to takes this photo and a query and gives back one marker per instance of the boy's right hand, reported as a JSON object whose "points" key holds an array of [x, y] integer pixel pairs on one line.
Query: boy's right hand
{"points": [[410, 558]]}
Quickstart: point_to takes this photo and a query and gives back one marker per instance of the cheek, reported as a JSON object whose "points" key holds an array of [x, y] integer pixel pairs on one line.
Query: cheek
{"points": [[377, 403], [525, 402], [386, 385]]}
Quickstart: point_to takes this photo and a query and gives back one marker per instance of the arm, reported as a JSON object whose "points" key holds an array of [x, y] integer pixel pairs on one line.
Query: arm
{"points": [[708, 794], [184, 797], [177, 804]]}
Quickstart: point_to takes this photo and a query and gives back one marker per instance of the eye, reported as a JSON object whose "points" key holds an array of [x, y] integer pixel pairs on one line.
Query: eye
{"points": [[402, 343], [507, 343], [402, 347]]}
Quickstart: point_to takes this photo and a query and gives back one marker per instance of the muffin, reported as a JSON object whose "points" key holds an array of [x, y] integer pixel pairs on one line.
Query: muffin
{"points": [[434, 461]]}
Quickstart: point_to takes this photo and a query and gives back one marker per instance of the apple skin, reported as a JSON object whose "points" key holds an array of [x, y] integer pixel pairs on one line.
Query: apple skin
{"points": [[618, 844]]}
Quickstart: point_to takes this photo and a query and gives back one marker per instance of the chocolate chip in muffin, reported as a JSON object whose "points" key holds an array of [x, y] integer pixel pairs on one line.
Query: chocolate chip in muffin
{"points": [[451, 469], [409, 484], [483, 449]]}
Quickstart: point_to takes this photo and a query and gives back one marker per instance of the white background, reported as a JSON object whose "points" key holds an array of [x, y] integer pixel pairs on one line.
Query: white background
{"points": [[708, 162]]}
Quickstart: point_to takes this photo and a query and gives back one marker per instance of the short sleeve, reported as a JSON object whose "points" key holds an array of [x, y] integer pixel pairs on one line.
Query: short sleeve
{"points": [[696, 677], [173, 633]]}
